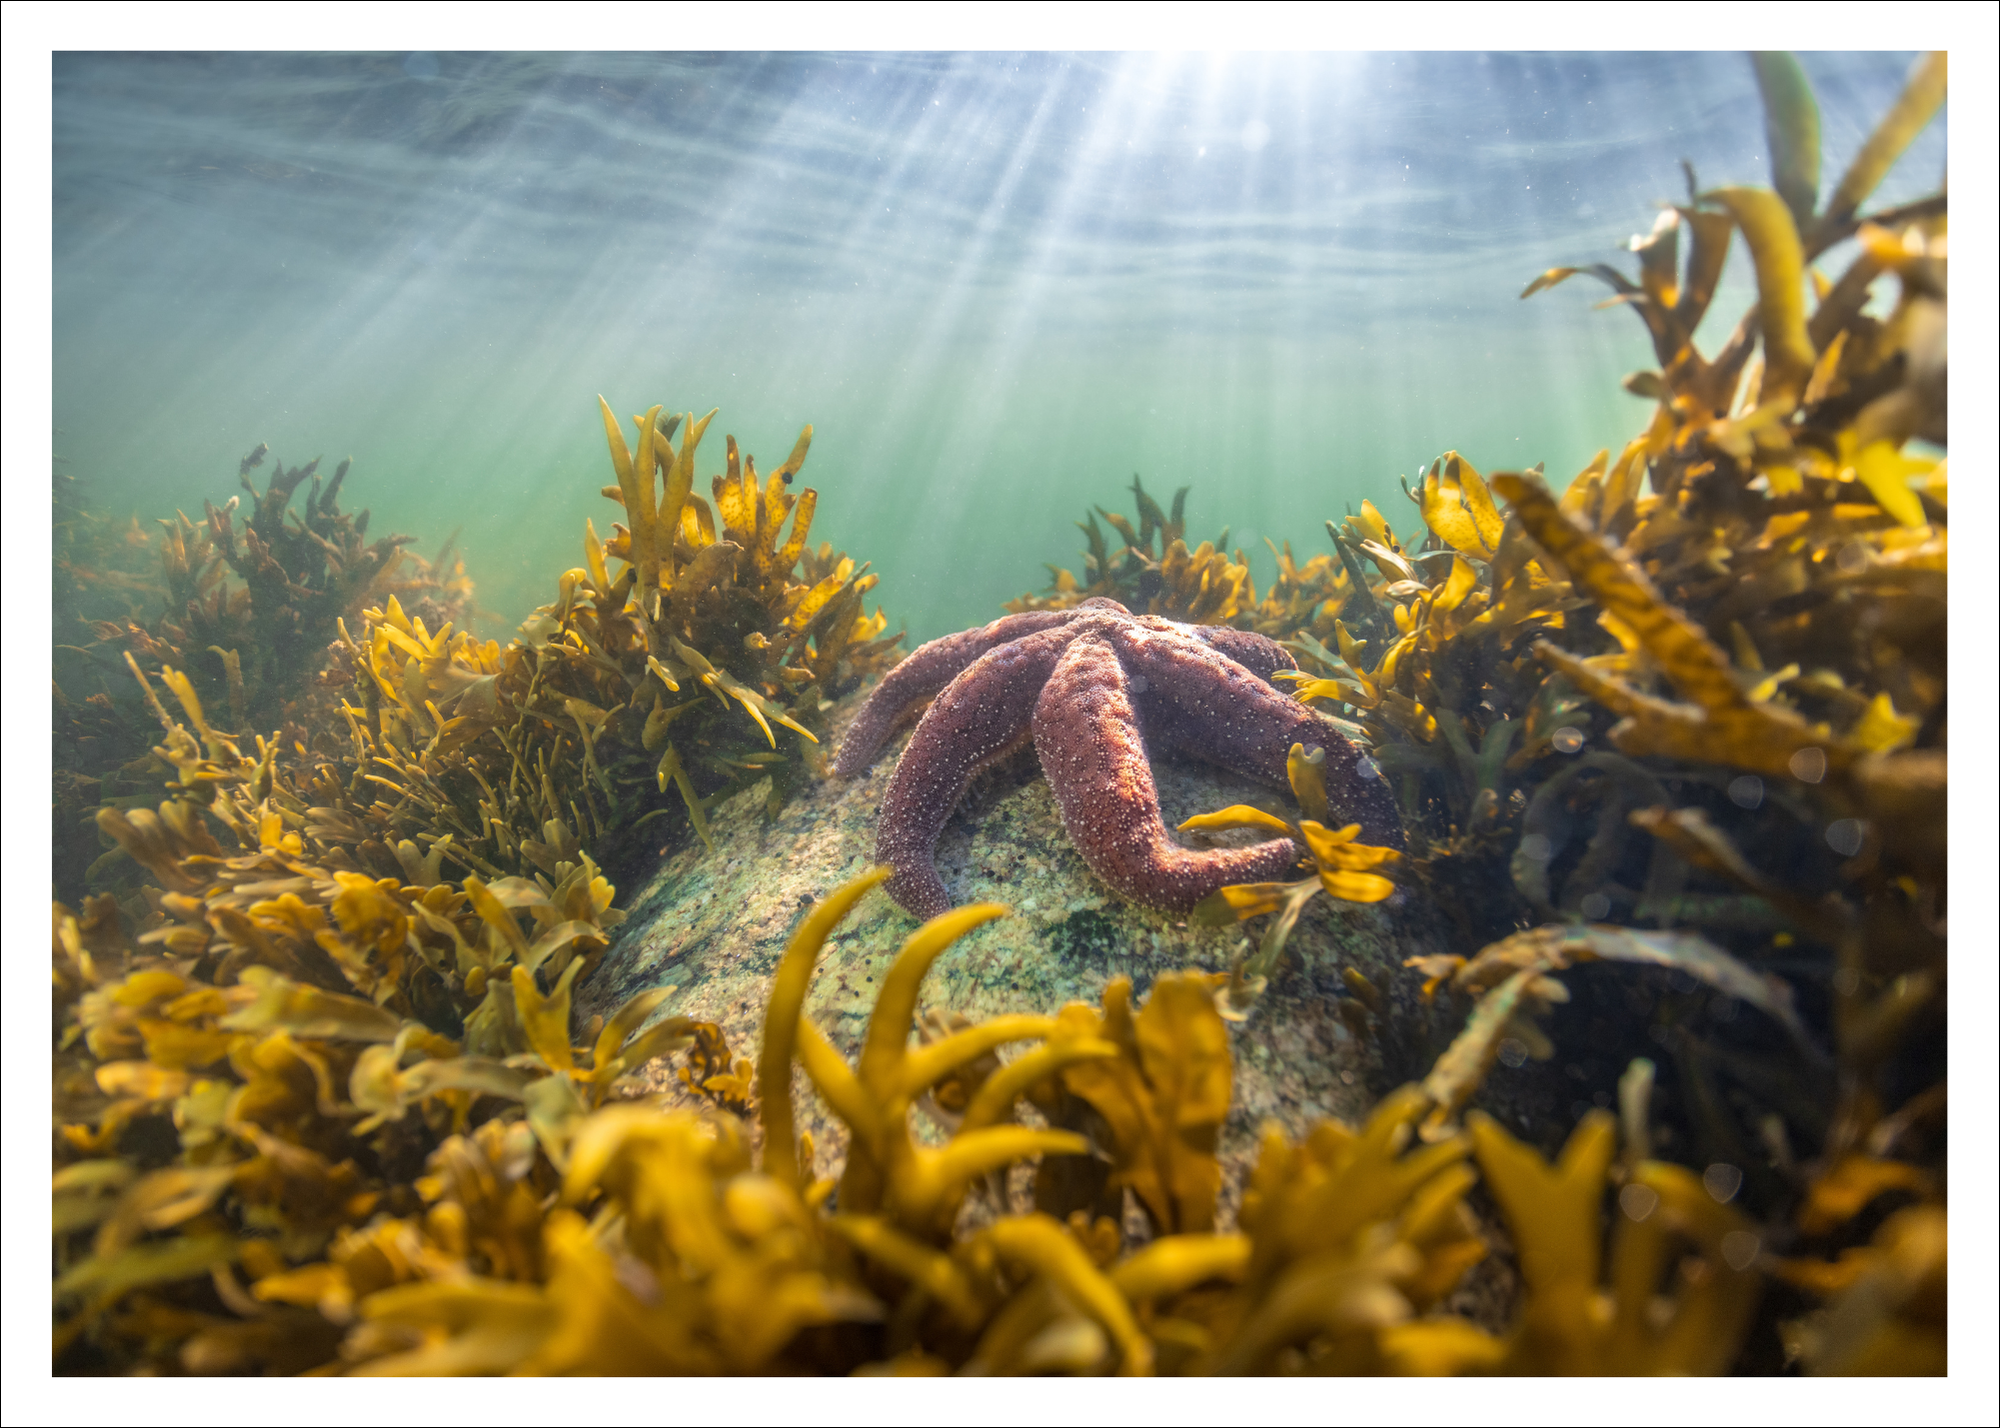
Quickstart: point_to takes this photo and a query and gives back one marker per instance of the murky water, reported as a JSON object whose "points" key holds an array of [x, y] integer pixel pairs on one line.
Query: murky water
{"points": [[996, 285]]}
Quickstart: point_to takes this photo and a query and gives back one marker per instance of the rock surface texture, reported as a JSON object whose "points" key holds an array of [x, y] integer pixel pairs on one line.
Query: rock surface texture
{"points": [[713, 925]]}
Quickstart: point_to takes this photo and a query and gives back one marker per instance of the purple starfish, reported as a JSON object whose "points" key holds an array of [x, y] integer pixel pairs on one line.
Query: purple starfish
{"points": [[1096, 687]]}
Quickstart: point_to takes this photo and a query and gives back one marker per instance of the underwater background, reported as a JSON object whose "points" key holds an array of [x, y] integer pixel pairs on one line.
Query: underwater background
{"points": [[997, 285], [421, 899]]}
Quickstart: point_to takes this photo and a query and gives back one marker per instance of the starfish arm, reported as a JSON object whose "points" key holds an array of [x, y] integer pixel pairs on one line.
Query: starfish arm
{"points": [[1205, 703], [928, 669], [981, 717], [1093, 754], [1262, 657]]}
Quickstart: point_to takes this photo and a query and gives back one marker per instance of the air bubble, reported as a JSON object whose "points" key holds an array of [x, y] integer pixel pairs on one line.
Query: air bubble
{"points": [[1567, 739], [1746, 791], [1845, 836], [1638, 1201], [1739, 1249]]}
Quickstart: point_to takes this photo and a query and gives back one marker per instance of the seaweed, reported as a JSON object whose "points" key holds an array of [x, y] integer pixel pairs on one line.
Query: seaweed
{"points": [[639, 696], [1728, 638], [1344, 870], [1152, 571], [256, 652], [560, 1227]]}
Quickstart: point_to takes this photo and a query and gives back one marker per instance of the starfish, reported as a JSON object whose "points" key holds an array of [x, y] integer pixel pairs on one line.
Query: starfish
{"points": [[1096, 688]]}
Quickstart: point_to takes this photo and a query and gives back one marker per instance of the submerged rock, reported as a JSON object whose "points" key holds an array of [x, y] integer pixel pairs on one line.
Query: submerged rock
{"points": [[713, 925]]}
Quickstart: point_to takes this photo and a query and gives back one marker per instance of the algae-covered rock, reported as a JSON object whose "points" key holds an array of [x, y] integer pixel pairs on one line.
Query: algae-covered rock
{"points": [[713, 925]]}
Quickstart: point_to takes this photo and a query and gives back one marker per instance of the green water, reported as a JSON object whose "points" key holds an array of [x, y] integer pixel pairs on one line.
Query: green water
{"points": [[996, 285]]}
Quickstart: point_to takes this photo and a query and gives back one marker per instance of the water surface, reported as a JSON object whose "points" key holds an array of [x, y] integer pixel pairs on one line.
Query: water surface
{"points": [[997, 285]]}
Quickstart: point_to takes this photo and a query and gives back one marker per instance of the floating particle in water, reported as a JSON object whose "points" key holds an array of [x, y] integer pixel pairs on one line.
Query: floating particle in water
{"points": [[1537, 847], [1853, 558], [1722, 1181], [1847, 981], [1512, 1053], [1809, 765], [1845, 836], [1567, 739], [1746, 791], [1638, 1201], [1595, 906], [1739, 1249]]}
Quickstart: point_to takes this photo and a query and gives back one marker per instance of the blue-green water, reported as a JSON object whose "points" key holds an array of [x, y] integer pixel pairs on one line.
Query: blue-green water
{"points": [[996, 285]]}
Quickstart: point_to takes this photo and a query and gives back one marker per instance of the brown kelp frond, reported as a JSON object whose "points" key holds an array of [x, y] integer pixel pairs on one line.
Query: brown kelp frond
{"points": [[1883, 1302], [1349, 1238], [1151, 1089], [1586, 1311], [552, 1232], [1345, 871], [912, 1188], [1513, 983], [270, 1033]]}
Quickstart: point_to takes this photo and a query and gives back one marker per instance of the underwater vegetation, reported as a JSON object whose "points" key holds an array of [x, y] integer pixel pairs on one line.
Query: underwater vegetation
{"points": [[1705, 689], [1154, 573], [1729, 638], [622, 701], [319, 1105], [310, 1183], [256, 647], [617, 704]]}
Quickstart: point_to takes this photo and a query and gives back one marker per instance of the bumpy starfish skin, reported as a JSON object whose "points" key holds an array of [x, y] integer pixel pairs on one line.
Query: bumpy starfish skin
{"points": [[1096, 687]]}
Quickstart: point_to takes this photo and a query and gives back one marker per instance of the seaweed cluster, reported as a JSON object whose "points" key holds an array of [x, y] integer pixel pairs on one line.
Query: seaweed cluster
{"points": [[1704, 689], [619, 703], [626, 699], [1154, 573], [238, 1187], [257, 647]]}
